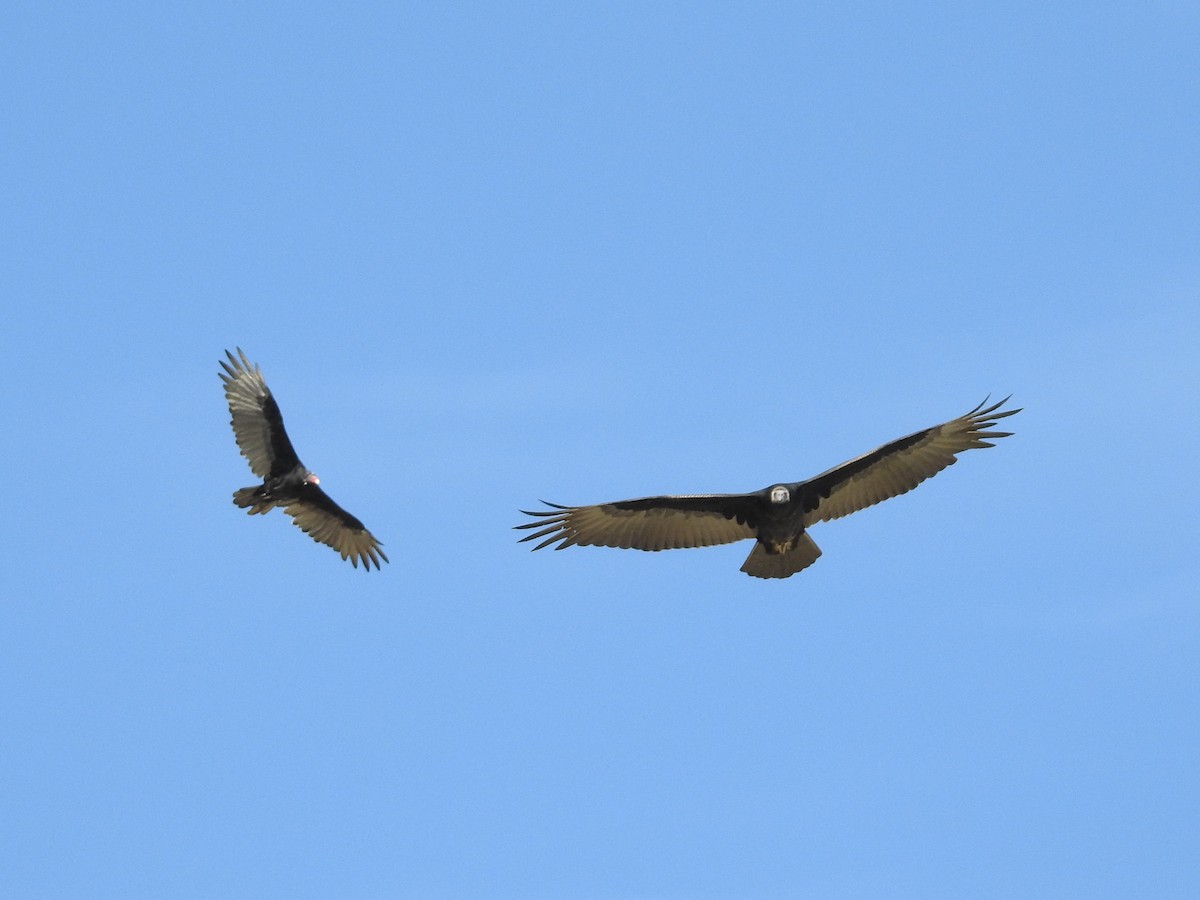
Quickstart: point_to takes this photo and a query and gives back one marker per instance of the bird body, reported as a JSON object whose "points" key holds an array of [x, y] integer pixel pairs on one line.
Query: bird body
{"points": [[262, 439], [777, 517]]}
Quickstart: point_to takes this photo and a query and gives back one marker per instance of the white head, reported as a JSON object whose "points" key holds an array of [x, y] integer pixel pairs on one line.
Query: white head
{"points": [[780, 494]]}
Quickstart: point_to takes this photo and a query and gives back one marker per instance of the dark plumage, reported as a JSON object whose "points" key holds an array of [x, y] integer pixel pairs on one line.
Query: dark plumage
{"points": [[258, 427], [777, 516]]}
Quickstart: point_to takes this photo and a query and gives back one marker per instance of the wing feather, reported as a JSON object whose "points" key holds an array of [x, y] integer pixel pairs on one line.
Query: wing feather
{"points": [[648, 523], [315, 513], [257, 422], [899, 466]]}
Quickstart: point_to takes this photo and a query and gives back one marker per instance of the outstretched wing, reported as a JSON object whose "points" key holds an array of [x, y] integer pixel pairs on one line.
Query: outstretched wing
{"points": [[899, 466], [257, 423], [649, 523], [315, 513]]}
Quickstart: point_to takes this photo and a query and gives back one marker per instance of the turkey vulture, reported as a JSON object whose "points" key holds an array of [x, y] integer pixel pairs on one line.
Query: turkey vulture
{"points": [[258, 427], [776, 516]]}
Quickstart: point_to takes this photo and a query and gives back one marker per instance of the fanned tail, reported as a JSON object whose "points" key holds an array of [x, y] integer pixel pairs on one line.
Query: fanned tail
{"points": [[253, 498], [762, 564]]}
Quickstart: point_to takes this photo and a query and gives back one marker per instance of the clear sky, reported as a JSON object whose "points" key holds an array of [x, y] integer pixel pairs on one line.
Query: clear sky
{"points": [[490, 253]]}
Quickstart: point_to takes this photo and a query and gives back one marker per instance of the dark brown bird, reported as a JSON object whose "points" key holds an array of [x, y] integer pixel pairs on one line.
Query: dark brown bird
{"points": [[258, 427], [777, 516]]}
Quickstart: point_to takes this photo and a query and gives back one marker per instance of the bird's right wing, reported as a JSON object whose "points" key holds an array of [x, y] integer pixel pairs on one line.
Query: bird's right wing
{"points": [[257, 422], [899, 466], [314, 512], [649, 523]]}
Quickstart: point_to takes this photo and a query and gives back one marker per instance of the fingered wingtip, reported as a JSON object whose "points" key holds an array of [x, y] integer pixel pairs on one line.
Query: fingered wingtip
{"points": [[983, 412], [556, 509], [551, 525], [241, 363]]}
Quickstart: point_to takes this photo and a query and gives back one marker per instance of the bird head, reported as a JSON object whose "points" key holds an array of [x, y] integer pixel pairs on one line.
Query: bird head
{"points": [[311, 478], [780, 494]]}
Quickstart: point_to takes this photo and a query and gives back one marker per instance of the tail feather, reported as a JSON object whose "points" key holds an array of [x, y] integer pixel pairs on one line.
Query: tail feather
{"points": [[253, 498], [762, 564]]}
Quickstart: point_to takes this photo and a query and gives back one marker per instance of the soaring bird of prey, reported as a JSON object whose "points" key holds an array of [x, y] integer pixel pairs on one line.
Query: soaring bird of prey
{"points": [[778, 516], [258, 428]]}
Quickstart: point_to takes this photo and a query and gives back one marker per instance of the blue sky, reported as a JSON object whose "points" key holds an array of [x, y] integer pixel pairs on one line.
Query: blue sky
{"points": [[487, 254]]}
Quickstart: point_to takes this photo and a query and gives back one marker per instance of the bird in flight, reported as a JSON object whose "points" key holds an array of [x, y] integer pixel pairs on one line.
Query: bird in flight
{"points": [[258, 428], [778, 516]]}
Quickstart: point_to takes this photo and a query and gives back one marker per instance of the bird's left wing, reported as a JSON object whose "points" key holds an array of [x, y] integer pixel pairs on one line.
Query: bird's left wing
{"points": [[899, 466], [315, 513], [257, 422], [648, 523]]}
